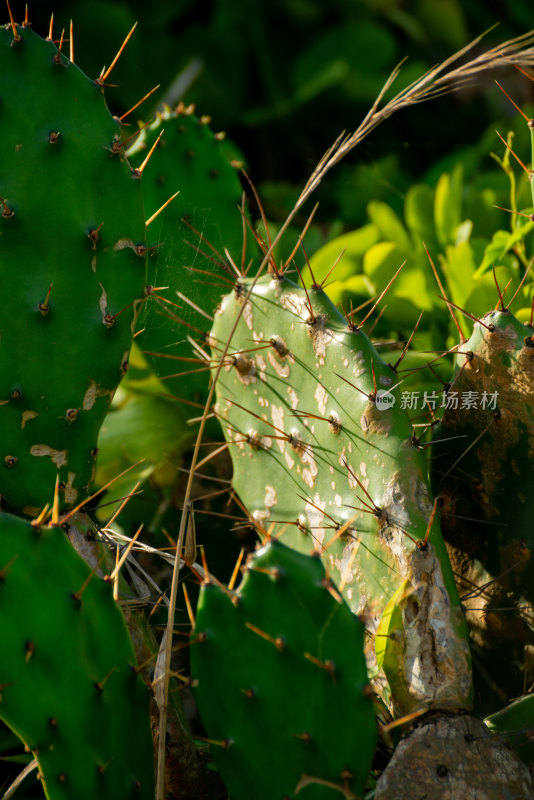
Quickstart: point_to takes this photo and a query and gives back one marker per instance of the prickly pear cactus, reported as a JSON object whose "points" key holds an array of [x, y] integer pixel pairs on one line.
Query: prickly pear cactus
{"points": [[68, 678], [192, 234], [281, 681], [324, 456], [483, 476], [72, 263]]}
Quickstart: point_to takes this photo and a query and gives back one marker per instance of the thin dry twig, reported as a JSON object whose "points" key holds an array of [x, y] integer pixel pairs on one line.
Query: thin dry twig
{"points": [[10, 791], [443, 78]]}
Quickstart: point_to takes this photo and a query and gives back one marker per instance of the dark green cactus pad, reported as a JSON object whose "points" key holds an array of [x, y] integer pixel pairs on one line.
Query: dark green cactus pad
{"points": [[72, 270], [201, 165], [515, 724], [68, 679], [281, 682], [483, 476], [324, 455]]}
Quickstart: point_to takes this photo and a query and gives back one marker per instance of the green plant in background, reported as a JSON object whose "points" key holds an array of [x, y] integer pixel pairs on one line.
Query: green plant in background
{"points": [[325, 457]]}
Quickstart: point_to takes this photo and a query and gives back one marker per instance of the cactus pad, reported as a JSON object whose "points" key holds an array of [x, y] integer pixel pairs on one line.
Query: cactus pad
{"points": [[322, 452], [281, 682], [69, 686], [483, 477], [203, 218], [72, 270]]}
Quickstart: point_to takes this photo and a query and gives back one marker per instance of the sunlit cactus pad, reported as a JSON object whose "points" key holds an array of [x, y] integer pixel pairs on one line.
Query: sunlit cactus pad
{"points": [[324, 455]]}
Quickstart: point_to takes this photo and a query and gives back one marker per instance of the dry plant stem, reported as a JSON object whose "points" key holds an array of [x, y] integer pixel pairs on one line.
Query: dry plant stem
{"points": [[438, 80], [10, 791], [160, 783], [433, 83]]}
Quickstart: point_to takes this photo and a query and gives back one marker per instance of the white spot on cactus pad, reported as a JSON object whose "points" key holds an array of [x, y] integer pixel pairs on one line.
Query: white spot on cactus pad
{"points": [[315, 514], [293, 396], [321, 337], [59, 457], [262, 366], [321, 397], [296, 303], [270, 498], [353, 483], [359, 364], [261, 516], [27, 415], [92, 394], [103, 302], [124, 244], [289, 461], [277, 414], [248, 315], [282, 369], [309, 475]]}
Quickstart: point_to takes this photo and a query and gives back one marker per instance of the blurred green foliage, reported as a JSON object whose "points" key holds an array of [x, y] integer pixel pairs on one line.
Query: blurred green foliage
{"points": [[285, 78]]}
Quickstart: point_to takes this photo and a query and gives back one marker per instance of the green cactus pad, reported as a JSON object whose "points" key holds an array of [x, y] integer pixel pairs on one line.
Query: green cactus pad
{"points": [[201, 165], [72, 270], [69, 687], [483, 475], [515, 724], [323, 454], [281, 680]]}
